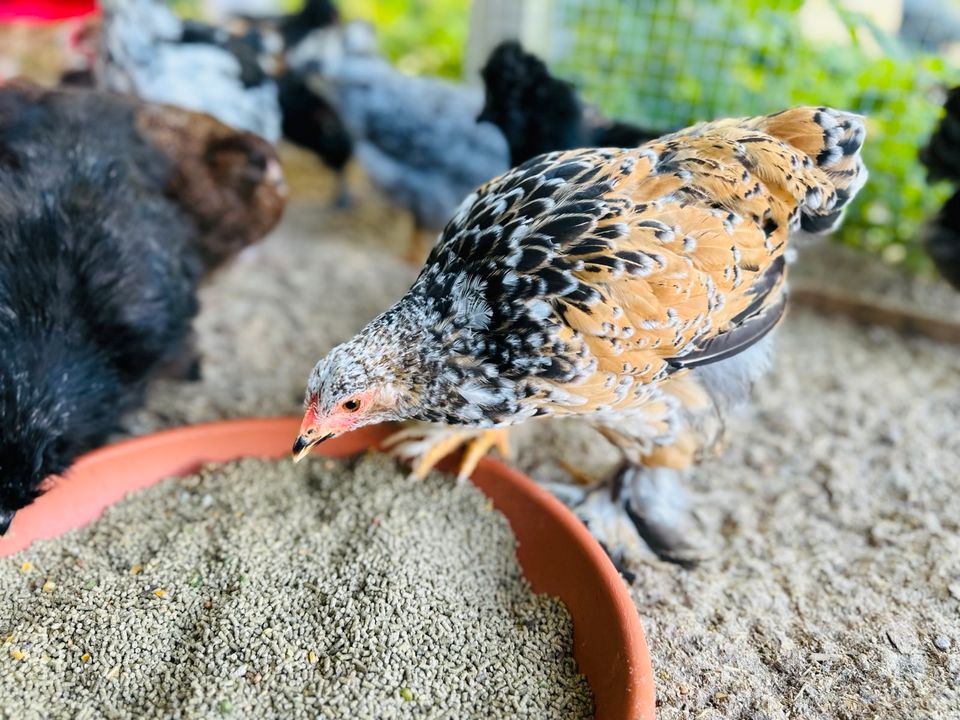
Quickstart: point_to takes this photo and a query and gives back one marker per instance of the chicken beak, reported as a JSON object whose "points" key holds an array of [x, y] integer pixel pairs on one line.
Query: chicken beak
{"points": [[305, 443]]}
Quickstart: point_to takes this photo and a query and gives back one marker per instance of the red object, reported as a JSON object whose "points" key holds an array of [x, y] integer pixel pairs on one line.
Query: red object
{"points": [[45, 9], [557, 553]]}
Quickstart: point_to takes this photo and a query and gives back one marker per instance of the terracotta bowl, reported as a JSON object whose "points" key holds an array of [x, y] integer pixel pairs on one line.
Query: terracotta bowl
{"points": [[556, 552]]}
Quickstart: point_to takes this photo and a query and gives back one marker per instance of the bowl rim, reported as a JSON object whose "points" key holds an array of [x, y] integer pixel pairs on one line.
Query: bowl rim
{"points": [[78, 507]]}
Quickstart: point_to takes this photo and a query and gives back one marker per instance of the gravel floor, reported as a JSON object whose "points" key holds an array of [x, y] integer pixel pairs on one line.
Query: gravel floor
{"points": [[833, 590]]}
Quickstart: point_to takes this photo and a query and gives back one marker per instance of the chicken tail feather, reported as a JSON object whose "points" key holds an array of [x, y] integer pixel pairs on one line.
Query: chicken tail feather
{"points": [[832, 139]]}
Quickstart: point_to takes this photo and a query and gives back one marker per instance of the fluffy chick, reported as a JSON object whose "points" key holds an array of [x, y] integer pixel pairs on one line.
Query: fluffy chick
{"points": [[97, 290], [150, 52], [101, 252], [539, 113], [312, 123], [309, 121], [229, 183], [633, 288], [416, 137], [941, 156]]}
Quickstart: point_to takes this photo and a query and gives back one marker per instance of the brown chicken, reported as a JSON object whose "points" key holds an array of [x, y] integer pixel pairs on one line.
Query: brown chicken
{"points": [[635, 288], [228, 182]]}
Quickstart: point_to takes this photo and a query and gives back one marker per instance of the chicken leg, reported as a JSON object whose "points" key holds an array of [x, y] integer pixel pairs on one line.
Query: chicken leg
{"points": [[642, 502], [636, 506], [426, 445]]}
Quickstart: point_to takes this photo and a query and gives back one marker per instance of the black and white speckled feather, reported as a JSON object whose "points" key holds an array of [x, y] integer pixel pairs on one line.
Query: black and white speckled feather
{"points": [[587, 282]]}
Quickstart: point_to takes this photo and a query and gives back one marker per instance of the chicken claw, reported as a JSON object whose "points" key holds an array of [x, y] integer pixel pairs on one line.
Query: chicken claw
{"points": [[426, 445]]}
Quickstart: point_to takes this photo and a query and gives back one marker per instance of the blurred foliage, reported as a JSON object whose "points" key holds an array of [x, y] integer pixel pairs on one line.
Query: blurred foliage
{"points": [[668, 63], [420, 36], [188, 8]]}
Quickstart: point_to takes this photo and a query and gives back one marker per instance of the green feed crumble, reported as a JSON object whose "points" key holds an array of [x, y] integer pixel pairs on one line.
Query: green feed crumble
{"points": [[264, 589]]}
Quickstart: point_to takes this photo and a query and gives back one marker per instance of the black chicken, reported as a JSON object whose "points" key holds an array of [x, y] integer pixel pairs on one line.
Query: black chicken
{"points": [[312, 15], [539, 113], [312, 123], [102, 246], [941, 156], [308, 120]]}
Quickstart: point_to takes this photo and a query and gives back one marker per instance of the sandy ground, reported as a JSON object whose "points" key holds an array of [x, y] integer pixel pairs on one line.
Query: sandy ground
{"points": [[832, 589]]}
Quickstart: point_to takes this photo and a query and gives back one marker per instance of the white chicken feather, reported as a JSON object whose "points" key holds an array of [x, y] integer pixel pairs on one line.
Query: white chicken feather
{"points": [[143, 53]]}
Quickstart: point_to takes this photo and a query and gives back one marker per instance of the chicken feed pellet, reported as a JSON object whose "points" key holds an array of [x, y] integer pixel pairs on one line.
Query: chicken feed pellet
{"points": [[263, 589]]}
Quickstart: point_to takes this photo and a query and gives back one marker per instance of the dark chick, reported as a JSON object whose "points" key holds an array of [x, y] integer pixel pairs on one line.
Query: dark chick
{"points": [[313, 15], [228, 182], [539, 113], [97, 290], [312, 123], [102, 248], [941, 156]]}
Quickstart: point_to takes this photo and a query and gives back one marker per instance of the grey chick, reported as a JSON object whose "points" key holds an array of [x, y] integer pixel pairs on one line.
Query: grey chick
{"points": [[416, 137]]}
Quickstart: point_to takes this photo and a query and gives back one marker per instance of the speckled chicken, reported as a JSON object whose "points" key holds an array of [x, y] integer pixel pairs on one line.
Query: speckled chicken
{"points": [[634, 288], [416, 137], [148, 51]]}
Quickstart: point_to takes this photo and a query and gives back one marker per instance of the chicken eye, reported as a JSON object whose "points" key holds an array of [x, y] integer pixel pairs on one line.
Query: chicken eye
{"points": [[351, 405]]}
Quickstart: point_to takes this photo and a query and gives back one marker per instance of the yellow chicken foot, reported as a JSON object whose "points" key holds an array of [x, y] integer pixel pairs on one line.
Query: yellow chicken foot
{"points": [[479, 446], [426, 445]]}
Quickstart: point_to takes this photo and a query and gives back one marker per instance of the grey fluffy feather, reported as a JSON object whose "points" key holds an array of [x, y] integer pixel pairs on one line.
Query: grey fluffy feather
{"points": [[416, 137], [143, 54]]}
